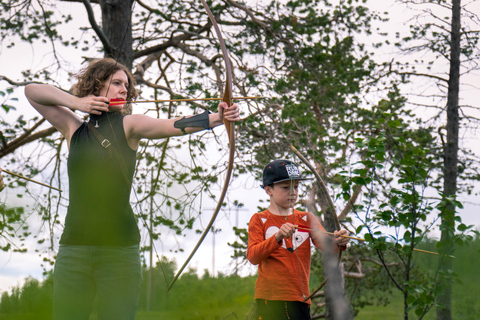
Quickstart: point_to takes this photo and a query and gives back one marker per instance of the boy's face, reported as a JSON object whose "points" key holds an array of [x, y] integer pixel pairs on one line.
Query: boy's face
{"points": [[284, 193]]}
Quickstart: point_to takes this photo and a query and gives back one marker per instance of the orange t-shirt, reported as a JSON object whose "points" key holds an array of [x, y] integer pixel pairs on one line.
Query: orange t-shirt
{"points": [[282, 275]]}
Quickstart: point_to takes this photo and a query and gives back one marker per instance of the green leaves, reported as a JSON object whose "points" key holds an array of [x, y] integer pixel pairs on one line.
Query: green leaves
{"points": [[10, 219], [396, 169], [6, 97]]}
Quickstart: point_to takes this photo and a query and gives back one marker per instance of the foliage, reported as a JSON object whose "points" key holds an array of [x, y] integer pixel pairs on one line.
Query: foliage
{"points": [[240, 246], [34, 297], [405, 210], [465, 288], [6, 106], [191, 296], [406, 213], [429, 32], [444, 38], [426, 81], [319, 72], [12, 226], [369, 285]]}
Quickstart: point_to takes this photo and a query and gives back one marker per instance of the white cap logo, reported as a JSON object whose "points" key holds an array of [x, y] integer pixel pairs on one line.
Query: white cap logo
{"points": [[292, 170]]}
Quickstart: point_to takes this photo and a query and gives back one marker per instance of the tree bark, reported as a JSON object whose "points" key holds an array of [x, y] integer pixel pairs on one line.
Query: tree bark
{"points": [[336, 306], [117, 26], [450, 161], [334, 290]]}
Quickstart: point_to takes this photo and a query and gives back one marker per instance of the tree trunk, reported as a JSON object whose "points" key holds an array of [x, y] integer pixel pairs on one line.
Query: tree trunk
{"points": [[117, 26], [334, 294], [450, 161], [336, 306]]}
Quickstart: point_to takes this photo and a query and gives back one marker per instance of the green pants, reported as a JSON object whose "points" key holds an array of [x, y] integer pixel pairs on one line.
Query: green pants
{"points": [[112, 274]]}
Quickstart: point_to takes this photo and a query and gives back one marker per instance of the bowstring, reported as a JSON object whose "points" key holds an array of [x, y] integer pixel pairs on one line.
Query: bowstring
{"points": [[290, 206], [123, 163]]}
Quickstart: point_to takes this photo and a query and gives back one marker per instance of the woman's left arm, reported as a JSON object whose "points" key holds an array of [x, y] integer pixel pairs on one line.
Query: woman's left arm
{"points": [[139, 126]]}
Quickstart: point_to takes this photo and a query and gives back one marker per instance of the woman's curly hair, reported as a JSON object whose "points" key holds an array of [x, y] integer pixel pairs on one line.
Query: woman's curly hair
{"points": [[92, 78]]}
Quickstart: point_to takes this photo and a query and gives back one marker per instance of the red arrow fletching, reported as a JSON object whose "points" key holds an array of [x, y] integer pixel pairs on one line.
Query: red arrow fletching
{"points": [[302, 228], [114, 102]]}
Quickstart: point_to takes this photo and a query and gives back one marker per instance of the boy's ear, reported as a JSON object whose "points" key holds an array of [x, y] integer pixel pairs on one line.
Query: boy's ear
{"points": [[268, 189]]}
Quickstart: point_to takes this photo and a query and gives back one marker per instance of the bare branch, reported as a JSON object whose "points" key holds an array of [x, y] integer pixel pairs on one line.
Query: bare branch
{"points": [[15, 83], [26, 138], [173, 41], [96, 28], [420, 75]]}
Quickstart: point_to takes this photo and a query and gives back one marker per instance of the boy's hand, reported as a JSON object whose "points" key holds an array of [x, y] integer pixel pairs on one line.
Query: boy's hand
{"points": [[339, 240], [285, 232]]}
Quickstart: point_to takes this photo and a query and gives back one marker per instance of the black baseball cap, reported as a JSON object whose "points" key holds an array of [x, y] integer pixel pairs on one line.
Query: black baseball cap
{"points": [[281, 170]]}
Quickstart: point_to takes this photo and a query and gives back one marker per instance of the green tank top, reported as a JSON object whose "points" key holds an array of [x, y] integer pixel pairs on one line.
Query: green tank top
{"points": [[99, 211]]}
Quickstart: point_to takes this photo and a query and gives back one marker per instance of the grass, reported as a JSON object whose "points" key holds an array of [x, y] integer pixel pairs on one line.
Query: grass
{"points": [[223, 313], [393, 311], [217, 314]]}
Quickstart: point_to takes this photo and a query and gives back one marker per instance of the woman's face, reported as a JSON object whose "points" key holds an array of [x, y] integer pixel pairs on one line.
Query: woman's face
{"points": [[116, 87]]}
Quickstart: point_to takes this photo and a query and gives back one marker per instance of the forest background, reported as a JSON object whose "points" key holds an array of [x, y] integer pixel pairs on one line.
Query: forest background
{"points": [[364, 64]]}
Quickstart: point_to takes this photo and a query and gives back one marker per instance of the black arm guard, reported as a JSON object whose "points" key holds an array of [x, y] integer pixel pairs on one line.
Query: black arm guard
{"points": [[197, 121]]}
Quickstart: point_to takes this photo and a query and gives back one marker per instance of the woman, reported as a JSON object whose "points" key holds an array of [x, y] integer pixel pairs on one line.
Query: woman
{"points": [[99, 248]]}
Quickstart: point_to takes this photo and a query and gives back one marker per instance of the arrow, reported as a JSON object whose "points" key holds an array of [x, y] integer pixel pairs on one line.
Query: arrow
{"points": [[114, 102], [40, 183], [306, 229]]}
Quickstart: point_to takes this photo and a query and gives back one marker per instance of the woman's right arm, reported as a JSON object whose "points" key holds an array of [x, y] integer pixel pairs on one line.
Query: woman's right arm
{"points": [[58, 106]]}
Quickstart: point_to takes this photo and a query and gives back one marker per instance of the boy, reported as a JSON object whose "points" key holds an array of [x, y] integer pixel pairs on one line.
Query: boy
{"points": [[278, 242]]}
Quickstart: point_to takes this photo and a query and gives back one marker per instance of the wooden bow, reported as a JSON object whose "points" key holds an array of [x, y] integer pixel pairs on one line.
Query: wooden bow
{"points": [[227, 97]]}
